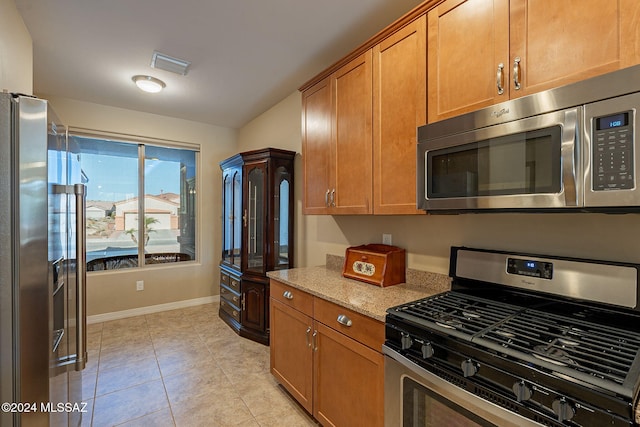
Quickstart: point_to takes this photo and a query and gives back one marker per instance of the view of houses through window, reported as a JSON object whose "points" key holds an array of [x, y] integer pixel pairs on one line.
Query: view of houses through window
{"points": [[124, 230]]}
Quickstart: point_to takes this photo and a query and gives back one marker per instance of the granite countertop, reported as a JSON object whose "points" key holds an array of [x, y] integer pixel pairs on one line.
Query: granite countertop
{"points": [[370, 300]]}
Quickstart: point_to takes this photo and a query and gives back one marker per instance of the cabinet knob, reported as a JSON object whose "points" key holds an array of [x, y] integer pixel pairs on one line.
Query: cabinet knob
{"points": [[288, 295], [344, 320]]}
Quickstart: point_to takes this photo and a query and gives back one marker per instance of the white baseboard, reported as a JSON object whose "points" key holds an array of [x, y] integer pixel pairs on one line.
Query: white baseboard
{"points": [[115, 315]]}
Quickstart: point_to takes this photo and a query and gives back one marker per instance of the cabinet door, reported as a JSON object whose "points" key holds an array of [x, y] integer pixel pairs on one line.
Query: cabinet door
{"points": [[291, 355], [349, 381], [399, 107], [467, 41], [282, 219], [227, 217], [236, 218], [253, 305], [351, 158], [560, 42], [255, 217], [316, 147]]}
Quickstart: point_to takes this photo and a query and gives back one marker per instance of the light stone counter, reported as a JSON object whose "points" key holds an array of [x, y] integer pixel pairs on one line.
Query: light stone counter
{"points": [[370, 300]]}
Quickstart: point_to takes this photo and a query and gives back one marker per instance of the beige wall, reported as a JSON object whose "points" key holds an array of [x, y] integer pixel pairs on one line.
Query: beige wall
{"points": [[16, 51], [427, 239], [115, 291]]}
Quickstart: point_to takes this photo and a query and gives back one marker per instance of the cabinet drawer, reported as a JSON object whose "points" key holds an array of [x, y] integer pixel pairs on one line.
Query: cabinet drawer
{"points": [[292, 297], [230, 281], [366, 330], [230, 296], [228, 307]]}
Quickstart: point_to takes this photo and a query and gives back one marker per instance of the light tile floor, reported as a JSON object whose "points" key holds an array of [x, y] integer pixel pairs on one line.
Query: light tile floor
{"points": [[181, 368]]}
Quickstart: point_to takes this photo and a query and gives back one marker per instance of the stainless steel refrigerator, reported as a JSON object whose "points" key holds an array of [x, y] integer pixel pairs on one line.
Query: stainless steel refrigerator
{"points": [[42, 268]]}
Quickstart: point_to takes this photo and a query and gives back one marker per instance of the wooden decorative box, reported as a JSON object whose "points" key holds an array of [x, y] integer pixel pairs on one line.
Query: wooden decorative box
{"points": [[377, 264]]}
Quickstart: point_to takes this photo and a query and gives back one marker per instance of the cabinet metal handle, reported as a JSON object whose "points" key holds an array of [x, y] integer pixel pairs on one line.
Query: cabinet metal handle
{"points": [[344, 320], [244, 218], [333, 197], [243, 299], [307, 335], [326, 198], [516, 73], [314, 338], [287, 295], [500, 79]]}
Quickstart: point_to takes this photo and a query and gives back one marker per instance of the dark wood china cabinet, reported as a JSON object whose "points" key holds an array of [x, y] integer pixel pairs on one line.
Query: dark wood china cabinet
{"points": [[257, 235]]}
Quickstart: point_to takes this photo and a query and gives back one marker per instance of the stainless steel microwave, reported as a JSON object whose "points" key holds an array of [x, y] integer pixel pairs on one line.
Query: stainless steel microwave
{"points": [[570, 148]]}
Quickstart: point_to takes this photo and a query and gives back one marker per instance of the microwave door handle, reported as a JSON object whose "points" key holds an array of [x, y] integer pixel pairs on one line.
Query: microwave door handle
{"points": [[81, 278], [570, 156]]}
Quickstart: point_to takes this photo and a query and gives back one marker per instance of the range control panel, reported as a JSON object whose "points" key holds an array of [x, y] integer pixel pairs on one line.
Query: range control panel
{"points": [[613, 165], [531, 268]]}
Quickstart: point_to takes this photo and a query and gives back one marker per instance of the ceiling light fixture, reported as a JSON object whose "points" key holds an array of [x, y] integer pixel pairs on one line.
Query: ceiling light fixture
{"points": [[148, 83]]}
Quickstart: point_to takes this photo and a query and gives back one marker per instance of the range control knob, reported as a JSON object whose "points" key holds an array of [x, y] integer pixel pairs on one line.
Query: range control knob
{"points": [[563, 409], [469, 368], [427, 350], [405, 341], [522, 391]]}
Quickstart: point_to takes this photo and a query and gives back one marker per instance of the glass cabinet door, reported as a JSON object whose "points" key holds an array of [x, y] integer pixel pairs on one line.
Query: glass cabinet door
{"points": [[255, 214], [237, 219], [227, 217], [281, 219]]}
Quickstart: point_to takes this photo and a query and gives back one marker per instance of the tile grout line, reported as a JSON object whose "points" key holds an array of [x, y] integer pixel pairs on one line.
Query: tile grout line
{"points": [[164, 386]]}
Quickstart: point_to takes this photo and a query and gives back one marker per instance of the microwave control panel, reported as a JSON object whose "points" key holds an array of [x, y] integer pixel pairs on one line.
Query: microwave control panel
{"points": [[613, 164]]}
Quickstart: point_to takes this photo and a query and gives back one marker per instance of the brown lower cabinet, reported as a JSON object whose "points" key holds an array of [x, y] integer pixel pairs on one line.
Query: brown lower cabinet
{"points": [[335, 371]]}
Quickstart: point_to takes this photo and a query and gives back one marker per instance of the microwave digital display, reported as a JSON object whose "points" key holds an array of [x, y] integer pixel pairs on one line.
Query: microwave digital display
{"points": [[613, 121]]}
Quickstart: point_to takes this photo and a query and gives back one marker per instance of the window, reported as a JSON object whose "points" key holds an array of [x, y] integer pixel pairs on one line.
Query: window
{"points": [[123, 229]]}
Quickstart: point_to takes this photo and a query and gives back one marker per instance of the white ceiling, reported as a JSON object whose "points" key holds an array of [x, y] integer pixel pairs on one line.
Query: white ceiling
{"points": [[246, 55]]}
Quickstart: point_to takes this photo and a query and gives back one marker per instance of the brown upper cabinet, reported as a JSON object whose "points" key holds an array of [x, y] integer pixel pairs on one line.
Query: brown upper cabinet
{"points": [[400, 106], [336, 149], [486, 51], [442, 59], [359, 129]]}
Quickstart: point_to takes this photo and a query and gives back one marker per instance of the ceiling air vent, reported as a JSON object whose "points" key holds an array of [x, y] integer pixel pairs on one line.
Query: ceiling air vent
{"points": [[168, 63]]}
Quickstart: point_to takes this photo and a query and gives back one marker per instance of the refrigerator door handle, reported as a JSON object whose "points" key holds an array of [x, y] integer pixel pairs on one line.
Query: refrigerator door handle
{"points": [[81, 278]]}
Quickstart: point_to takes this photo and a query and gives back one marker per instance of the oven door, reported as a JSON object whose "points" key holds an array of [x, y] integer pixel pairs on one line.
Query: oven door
{"points": [[415, 397], [531, 163]]}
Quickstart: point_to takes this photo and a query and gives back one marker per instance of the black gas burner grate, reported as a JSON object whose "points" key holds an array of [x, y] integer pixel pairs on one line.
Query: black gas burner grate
{"points": [[597, 350], [571, 342], [456, 311]]}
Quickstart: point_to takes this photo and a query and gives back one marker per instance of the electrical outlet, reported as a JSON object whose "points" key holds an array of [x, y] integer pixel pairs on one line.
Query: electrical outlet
{"points": [[140, 285], [386, 239]]}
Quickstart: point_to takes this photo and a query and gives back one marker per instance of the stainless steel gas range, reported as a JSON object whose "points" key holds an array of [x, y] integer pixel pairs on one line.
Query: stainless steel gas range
{"points": [[519, 340]]}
